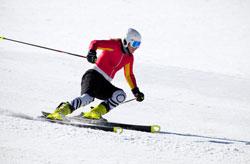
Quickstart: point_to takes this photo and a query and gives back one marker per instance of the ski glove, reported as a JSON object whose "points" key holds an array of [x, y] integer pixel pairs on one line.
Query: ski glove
{"points": [[139, 95], [91, 57]]}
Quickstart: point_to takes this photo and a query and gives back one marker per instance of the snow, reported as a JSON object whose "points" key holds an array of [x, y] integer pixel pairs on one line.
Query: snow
{"points": [[193, 66]]}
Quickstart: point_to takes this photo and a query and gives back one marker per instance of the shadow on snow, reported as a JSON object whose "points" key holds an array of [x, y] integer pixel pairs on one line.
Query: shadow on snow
{"points": [[218, 140]]}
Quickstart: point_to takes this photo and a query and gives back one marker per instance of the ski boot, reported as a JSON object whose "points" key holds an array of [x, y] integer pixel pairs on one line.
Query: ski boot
{"points": [[96, 112], [62, 110]]}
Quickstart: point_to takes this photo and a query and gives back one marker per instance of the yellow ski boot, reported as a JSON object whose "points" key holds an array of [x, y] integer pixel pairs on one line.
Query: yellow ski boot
{"points": [[96, 112], [62, 110]]}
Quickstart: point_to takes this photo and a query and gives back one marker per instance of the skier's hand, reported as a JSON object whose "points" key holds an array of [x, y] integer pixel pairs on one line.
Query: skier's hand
{"points": [[91, 57], [139, 95]]}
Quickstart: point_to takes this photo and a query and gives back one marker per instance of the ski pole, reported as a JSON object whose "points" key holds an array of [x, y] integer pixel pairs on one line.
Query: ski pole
{"points": [[129, 100], [34, 45]]}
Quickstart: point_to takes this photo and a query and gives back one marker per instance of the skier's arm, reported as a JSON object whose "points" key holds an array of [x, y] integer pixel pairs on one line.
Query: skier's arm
{"points": [[128, 71], [129, 75], [102, 45]]}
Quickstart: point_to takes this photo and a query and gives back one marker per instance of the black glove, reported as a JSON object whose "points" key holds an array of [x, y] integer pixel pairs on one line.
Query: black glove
{"points": [[139, 95], [91, 57]]}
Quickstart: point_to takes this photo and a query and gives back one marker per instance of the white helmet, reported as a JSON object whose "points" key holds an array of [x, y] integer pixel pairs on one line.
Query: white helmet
{"points": [[133, 37]]}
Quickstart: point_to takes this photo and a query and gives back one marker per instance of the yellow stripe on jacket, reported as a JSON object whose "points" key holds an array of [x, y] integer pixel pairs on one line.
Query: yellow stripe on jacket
{"points": [[105, 49], [129, 76]]}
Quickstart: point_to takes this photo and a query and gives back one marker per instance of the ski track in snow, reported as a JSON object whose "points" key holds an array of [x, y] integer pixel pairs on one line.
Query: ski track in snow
{"points": [[193, 68], [151, 148]]}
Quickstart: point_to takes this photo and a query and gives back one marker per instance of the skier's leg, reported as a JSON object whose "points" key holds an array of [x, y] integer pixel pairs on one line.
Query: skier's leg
{"points": [[83, 100], [87, 86], [66, 108], [63, 109], [117, 98]]}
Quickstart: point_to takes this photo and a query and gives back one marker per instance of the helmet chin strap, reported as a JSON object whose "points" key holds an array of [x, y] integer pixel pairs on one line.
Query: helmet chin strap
{"points": [[126, 50], [124, 43], [125, 46]]}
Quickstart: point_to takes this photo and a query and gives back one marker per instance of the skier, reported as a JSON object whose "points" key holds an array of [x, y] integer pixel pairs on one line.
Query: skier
{"points": [[96, 82]]}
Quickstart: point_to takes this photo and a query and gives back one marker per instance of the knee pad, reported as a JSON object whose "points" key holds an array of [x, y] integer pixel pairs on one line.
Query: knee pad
{"points": [[118, 97]]}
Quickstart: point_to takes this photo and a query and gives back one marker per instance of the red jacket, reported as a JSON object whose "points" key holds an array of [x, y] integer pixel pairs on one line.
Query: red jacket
{"points": [[113, 58]]}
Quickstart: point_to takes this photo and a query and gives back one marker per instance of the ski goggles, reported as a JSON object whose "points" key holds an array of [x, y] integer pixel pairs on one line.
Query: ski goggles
{"points": [[135, 44]]}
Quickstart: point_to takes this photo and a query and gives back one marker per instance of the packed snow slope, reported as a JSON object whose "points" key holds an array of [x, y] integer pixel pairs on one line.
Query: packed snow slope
{"points": [[193, 67]]}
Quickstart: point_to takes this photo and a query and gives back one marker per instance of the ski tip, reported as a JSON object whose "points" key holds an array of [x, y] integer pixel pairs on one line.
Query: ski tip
{"points": [[155, 128], [1, 37], [118, 130], [45, 114]]}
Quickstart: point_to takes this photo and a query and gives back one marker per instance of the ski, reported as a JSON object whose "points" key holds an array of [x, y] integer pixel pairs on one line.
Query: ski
{"points": [[69, 122], [143, 128], [104, 122]]}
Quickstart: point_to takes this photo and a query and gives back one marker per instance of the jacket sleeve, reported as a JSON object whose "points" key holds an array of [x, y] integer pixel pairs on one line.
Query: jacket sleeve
{"points": [[107, 45], [129, 75]]}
